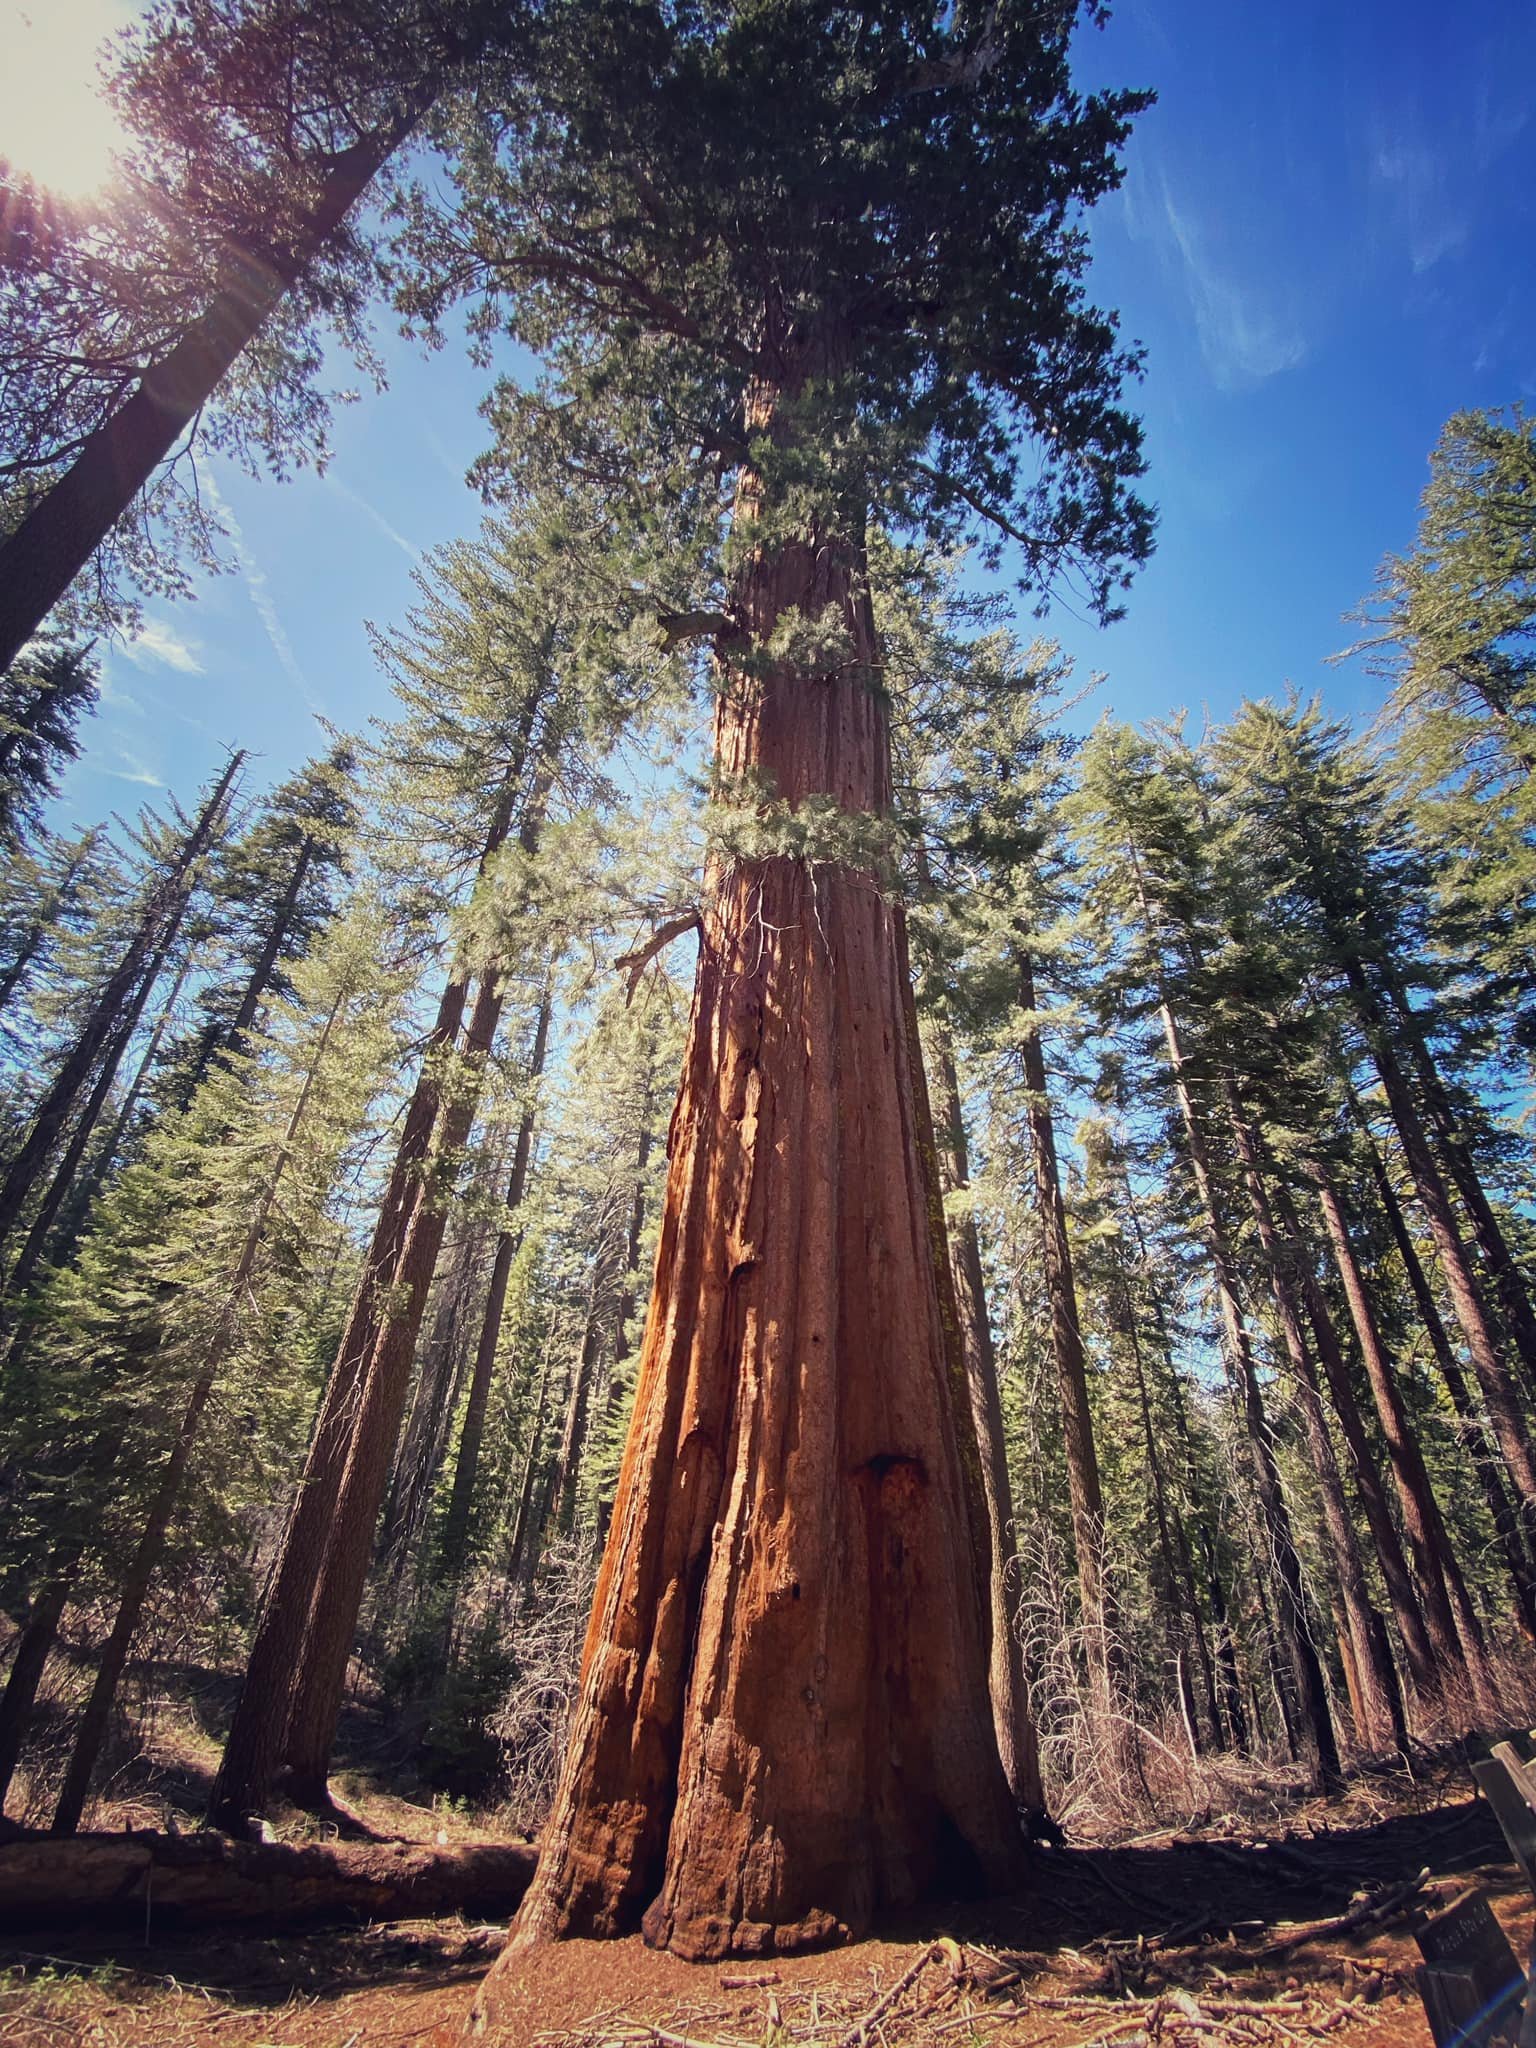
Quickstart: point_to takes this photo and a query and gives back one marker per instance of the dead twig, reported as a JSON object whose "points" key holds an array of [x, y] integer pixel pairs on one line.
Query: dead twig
{"points": [[859, 2031]]}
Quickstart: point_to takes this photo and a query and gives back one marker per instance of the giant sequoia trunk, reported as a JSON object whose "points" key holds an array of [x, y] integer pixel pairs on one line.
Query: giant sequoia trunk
{"points": [[783, 1720]]}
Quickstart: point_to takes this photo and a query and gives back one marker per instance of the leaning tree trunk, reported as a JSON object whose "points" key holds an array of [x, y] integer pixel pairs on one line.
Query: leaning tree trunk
{"points": [[26, 1674], [36, 1242], [1509, 1284], [166, 904], [1300, 1653], [58, 536], [254, 1746], [1500, 1396], [1017, 1741], [54, 905], [1486, 1462], [1453, 1622], [319, 1679], [783, 1721], [1372, 1690]]}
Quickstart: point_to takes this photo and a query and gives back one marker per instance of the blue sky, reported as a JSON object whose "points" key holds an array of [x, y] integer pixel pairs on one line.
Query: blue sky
{"points": [[1323, 240]]}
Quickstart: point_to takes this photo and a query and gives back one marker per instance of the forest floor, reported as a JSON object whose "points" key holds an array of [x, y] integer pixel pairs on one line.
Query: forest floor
{"points": [[1223, 1933]]}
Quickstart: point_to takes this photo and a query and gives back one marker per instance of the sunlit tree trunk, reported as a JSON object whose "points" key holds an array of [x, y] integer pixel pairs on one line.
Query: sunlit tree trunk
{"points": [[783, 1721]]}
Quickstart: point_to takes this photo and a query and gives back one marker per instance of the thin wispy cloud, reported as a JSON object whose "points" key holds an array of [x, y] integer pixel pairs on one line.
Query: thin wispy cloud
{"points": [[159, 643], [371, 511], [133, 770], [1418, 185], [1243, 339], [258, 590]]}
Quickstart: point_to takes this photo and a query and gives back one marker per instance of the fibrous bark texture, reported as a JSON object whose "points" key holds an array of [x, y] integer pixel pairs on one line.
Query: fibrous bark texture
{"points": [[783, 1722]]}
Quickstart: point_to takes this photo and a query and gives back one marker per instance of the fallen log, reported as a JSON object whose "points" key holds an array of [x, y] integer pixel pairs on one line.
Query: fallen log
{"points": [[208, 1880]]}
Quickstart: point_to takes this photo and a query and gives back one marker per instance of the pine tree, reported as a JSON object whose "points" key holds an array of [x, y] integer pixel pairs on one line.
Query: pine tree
{"points": [[44, 693]]}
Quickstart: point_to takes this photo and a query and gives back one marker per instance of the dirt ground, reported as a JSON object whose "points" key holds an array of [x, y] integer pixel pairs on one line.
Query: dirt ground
{"points": [[1204, 1937]]}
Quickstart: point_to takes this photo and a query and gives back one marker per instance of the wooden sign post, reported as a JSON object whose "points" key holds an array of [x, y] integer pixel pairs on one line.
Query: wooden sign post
{"points": [[1470, 1981]]}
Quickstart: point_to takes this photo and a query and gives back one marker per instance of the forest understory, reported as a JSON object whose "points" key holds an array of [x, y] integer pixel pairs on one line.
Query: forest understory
{"points": [[1281, 1920]]}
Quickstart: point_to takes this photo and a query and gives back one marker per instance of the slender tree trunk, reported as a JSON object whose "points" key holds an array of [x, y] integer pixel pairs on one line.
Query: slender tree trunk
{"points": [[1178, 1573], [163, 912], [624, 1305], [223, 1045], [65, 527], [1086, 1493], [1316, 1723], [1372, 1689], [509, 1237], [1513, 1296], [111, 1146], [254, 1747], [26, 1674], [1493, 1375], [65, 1174], [434, 1398], [783, 1720], [1454, 1628], [319, 1681], [574, 1435], [146, 1558], [518, 1547], [1017, 1742], [1483, 1453]]}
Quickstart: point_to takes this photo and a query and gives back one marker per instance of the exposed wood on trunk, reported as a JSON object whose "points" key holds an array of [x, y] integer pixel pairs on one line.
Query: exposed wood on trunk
{"points": [[203, 1880]]}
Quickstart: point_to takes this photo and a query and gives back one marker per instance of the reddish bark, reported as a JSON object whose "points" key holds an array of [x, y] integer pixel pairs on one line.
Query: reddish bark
{"points": [[783, 1722]]}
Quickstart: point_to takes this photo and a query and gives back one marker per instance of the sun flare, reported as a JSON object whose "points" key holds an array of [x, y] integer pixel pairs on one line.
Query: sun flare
{"points": [[54, 122]]}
